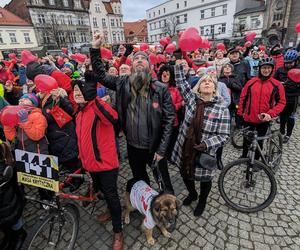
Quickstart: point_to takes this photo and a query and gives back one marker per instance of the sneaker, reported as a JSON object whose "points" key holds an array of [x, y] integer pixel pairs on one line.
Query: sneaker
{"points": [[286, 139]]}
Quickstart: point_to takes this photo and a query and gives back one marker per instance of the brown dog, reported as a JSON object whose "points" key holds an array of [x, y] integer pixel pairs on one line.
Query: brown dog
{"points": [[159, 209]]}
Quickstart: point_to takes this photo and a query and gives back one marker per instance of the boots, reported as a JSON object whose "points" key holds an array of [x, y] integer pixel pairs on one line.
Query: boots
{"points": [[118, 241], [189, 199], [104, 218], [192, 196], [205, 189], [219, 158]]}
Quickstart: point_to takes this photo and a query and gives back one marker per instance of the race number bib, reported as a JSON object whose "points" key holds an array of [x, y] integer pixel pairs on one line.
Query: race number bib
{"points": [[37, 170]]}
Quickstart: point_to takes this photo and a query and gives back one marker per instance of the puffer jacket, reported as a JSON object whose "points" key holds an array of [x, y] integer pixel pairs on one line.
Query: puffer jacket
{"points": [[279, 62], [160, 109], [96, 136], [30, 135], [62, 141], [260, 96]]}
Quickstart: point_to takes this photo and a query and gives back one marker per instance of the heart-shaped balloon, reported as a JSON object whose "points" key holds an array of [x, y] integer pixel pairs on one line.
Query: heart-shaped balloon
{"points": [[250, 36], [45, 83], [80, 58], [12, 56], [294, 75], [27, 56], [190, 40], [153, 59], [161, 58], [60, 61], [164, 41], [106, 53], [220, 46], [9, 115], [64, 50], [170, 48], [144, 46], [248, 44], [262, 47], [297, 28]]}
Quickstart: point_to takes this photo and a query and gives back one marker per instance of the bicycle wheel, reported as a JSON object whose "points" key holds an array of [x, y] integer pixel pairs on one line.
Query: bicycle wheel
{"points": [[247, 188], [237, 138], [274, 151], [58, 230]]}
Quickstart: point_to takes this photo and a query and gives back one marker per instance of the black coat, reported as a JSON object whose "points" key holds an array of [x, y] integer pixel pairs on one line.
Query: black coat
{"points": [[242, 70], [233, 83], [62, 141], [161, 111]]}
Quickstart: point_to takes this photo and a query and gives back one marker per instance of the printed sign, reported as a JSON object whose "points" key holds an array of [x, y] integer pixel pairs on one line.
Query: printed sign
{"points": [[37, 170]]}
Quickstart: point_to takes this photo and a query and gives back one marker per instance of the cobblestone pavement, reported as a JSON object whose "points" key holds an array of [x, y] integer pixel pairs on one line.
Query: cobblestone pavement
{"points": [[276, 227]]}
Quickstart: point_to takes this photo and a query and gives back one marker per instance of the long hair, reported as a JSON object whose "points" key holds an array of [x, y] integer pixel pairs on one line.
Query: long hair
{"points": [[167, 68]]}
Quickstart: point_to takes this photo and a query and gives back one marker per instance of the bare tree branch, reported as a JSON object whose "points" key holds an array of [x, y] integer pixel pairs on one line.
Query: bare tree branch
{"points": [[171, 26]]}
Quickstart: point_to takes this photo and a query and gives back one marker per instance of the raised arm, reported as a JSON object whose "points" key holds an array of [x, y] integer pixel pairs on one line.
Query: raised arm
{"points": [[182, 84]]}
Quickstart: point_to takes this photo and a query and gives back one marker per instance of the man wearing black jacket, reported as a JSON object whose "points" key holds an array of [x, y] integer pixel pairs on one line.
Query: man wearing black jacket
{"points": [[145, 111]]}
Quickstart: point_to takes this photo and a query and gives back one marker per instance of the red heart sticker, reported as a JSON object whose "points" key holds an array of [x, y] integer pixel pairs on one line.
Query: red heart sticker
{"points": [[155, 105], [211, 116]]}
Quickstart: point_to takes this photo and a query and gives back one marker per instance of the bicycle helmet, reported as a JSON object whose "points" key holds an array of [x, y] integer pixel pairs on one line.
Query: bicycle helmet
{"points": [[266, 61], [291, 56]]}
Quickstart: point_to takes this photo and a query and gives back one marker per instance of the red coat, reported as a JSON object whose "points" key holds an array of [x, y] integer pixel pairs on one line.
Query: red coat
{"points": [[261, 97], [177, 101], [96, 136], [279, 63]]}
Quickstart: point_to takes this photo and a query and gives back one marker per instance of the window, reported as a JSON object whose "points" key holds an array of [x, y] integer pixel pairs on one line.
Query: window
{"points": [[254, 22], [114, 37], [80, 21], [149, 15], [112, 22], [154, 25], [53, 19], [242, 24], [185, 18], [46, 38], [66, 3], [70, 21], [77, 4], [119, 9], [117, 21], [164, 10], [185, 3], [119, 37], [177, 5], [202, 14], [153, 14], [115, 9], [121, 24], [41, 18], [223, 28], [158, 12], [62, 19], [1, 39], [202, 31], [225, 9], [213, 11], [72, 37], [97, 7], [61, 37], [178, 19], [51, 2], [103, 23], [82, 37], [26, 38], [212, 29], [95, 24]]}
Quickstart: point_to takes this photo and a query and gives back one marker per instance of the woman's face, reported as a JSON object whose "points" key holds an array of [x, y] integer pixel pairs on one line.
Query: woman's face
{"points": [[78, 96], [227, 70], [207, 87], [165, 77], [219, 55], [266, 70]]}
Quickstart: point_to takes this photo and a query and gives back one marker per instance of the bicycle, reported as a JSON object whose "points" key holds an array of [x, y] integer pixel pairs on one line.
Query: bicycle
{"points": [[61, 221], [248, 185]]}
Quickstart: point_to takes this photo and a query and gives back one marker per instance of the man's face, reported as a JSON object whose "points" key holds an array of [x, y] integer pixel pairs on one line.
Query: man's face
{"points": [[67, 71], [140, 63], [255, 55], [234, 56], [78, 96], [124, 70], [266, 70], [113, 71]]}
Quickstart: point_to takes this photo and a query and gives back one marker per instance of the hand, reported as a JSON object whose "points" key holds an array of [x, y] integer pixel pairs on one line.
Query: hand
{"points": [[157, 157], [62, 93], [9, 86], [200, 147], [264, 117], [55, 95], [23, 115], [97, 40], [106, 98]]}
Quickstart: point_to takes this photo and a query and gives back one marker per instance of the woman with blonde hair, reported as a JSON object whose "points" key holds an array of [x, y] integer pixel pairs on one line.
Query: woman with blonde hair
{"points": [[205, 128]]}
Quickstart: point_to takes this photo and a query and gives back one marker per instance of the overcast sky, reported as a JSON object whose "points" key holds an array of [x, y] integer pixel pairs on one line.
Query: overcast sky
{"points": [[132, 9]]}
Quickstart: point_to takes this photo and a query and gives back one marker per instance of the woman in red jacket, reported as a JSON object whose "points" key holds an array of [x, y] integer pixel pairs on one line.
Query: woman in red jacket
{"points": [[262, 99], [97, 150]]}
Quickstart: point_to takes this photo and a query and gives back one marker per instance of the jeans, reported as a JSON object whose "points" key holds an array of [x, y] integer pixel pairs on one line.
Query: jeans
{"points": [[106, 182], [139, 158]]}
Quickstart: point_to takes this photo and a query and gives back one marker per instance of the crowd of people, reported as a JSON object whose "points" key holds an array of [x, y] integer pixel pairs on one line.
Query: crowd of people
{"points": [[171, 111]]}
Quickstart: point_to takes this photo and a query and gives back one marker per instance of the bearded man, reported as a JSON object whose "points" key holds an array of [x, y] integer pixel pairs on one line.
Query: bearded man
{"points": [[146, 113]]}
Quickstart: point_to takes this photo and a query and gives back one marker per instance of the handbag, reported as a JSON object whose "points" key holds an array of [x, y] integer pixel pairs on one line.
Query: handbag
{"points": [[60, 116], [206, 161]]}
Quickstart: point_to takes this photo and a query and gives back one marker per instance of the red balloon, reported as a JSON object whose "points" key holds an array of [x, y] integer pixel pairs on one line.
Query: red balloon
{"points": [[106, 53], [45, 83], [161, 58], [168, 39], [26, 57], [248, 44], [60, 61], [9, 115], [153, 59], [250, 36], [164, 41], [297, 28], [12, 56], [170, 48], [220, 46], [190, 40], [144, 46], [64, 50], [78, 57], [180, 34], [294, 75], [128, 61]]}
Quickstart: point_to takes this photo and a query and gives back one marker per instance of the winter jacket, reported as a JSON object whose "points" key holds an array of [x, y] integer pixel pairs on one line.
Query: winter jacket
{"points": [[253, 63], [292, 91], [22, 76], [62, 141], [261, 97], [161, 112], [242, 70], [96, 136], [279, 62], [30, 135], [177, 102], [234, 85], [281, 74]]}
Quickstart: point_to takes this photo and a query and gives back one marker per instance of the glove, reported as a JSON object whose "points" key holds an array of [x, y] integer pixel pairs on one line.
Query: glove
{"points": [[23, 115]]}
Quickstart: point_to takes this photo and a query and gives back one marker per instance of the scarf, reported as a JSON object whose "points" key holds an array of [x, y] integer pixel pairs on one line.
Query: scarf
{"points": [[194, 137]]}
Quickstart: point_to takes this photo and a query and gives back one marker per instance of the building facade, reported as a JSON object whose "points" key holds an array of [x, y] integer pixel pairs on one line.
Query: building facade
{"points": [[106, 16], [58, 23], [15, 33], [136, 32]]}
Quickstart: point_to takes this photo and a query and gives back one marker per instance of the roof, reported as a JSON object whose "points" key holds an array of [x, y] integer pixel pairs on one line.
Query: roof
{"points": [[251, 10], [8, 18], [108, 8], [138, 28]]}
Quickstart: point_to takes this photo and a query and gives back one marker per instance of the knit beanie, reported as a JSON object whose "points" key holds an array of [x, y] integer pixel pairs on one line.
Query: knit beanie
{"points": [[33, 69], [70, 66], [142, 53], [87, 86], [32, 97]]}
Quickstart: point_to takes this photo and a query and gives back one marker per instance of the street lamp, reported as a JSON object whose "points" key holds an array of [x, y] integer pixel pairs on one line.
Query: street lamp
{"points": [[213, 32]]}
